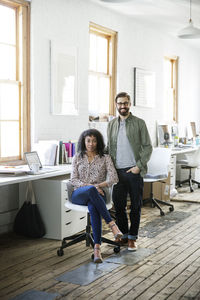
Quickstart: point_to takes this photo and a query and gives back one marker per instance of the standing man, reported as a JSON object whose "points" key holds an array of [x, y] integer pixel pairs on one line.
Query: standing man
{"points": [[129, 145]]}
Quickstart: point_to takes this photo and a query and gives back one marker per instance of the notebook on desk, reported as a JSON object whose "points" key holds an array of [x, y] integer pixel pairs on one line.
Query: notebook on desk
{"points": [[13, 170], [33, 158]]}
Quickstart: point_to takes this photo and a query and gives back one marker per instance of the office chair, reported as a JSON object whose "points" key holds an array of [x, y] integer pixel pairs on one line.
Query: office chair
{"points": [[191, 161], [87, 235], [158, 171]]}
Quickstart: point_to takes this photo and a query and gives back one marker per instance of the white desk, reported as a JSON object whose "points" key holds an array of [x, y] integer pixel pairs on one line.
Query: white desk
{"points": [[11, 179], [51, 194], [181, 150], [176, 151], [175, 170]]}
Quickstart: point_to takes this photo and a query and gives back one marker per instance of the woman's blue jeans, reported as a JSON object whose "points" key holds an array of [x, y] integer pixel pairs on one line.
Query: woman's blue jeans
{"points": [[88, 195]]}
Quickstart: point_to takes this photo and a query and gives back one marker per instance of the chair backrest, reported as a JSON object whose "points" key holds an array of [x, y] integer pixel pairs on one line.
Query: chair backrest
{"points": [[70, 189], [193, 158], [159, 163]]}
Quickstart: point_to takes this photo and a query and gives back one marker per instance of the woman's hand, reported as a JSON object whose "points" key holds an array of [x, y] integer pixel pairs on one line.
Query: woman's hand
{"points": [[100, 190], [134, 170]]}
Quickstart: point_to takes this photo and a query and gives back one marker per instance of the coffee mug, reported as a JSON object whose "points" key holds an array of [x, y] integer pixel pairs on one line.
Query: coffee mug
{"points": [[35, 168]]}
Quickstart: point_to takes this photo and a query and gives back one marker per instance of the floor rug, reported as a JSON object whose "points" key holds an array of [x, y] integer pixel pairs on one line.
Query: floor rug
{"points": [[160, 224], [35, 295], [87, 273], [130, 258]]}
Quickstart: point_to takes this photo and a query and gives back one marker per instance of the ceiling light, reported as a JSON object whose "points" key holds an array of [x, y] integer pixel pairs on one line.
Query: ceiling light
{"points": [[189, 32]]}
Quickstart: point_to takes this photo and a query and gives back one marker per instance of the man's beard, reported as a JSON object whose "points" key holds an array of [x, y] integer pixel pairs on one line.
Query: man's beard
{"points": [[125, 111]]}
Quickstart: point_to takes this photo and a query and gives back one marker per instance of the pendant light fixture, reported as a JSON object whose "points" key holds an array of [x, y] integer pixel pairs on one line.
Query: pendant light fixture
{"points": [[189, 32]]}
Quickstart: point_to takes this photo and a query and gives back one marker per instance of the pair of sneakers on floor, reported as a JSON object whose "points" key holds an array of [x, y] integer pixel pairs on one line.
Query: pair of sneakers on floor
{"points": [[132, 245]]}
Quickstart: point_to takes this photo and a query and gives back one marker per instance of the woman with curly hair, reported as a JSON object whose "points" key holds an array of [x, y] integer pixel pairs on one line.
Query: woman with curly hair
{"points": [[93, 172]]}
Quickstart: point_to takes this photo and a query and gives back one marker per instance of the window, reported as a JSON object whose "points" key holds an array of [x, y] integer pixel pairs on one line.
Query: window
{"points": [[14, 80], [171, 86], [102, 70]]}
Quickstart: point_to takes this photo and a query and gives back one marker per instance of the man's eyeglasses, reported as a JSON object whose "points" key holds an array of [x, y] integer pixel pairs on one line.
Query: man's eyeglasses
{"points": [[123, 103]]}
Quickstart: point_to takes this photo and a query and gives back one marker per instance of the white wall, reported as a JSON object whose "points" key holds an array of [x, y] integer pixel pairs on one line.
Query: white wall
{"points": [[139, 45]]}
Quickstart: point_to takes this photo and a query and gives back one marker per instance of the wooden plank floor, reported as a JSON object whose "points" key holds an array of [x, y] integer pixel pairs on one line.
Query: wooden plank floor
{"points": [[171, 272]]}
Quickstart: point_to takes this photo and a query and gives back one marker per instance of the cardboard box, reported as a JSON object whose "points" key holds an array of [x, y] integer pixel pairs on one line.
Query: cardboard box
{"points": [[165, 192], [161, 189], [157, 190], [147, 190]]}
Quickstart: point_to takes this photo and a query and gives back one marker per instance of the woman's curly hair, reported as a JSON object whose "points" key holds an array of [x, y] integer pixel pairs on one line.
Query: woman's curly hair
{"points": [[100, 141]]}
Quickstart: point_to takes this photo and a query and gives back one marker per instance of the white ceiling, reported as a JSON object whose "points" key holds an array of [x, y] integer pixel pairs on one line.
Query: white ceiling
{"points": [[168, 15]]}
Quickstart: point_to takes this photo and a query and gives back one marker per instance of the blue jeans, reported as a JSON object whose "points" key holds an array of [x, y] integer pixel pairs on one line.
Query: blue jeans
{"points": [[132, 184], [88, 195]]}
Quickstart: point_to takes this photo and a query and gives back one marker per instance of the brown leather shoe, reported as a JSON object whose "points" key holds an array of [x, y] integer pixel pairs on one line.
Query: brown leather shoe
{"points": [[132, 246], [122, 242]]}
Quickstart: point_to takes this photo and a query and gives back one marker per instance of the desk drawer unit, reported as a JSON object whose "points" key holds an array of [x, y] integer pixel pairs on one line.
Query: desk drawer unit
{"points": [[51, 195], [172, 170]]}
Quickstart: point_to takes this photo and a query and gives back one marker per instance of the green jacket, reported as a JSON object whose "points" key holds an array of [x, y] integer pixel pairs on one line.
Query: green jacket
{"points": [[138, 137]]}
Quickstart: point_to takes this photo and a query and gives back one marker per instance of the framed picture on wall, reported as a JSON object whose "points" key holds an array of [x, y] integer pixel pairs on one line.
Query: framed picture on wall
{"points": [[143, 87], [63, 70]]}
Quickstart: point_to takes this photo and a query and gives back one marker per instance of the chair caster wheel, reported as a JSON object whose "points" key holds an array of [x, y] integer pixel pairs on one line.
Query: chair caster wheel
{"points": [[171, 208], [162, 213], [116, 249], [92, 256], [191, 190], [60, 252]]}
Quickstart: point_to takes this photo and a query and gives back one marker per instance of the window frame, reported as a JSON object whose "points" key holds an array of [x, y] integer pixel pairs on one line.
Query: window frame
{"points": [[22, 8], [174, 84], [111, 37]]}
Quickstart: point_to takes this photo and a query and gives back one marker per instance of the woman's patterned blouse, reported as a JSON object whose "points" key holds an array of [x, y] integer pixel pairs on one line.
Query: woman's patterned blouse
{"points": [[99, 170]]}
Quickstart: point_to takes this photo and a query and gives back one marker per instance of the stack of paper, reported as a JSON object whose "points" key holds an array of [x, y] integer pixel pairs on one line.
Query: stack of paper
{"points": [[12, 170], [47, 151]]}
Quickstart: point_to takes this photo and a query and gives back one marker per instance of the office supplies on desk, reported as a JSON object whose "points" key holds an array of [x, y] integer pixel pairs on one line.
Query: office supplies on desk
{"points": [[13, 170], [167, 134], [182, 147], [164, 135], [33, 158]]}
